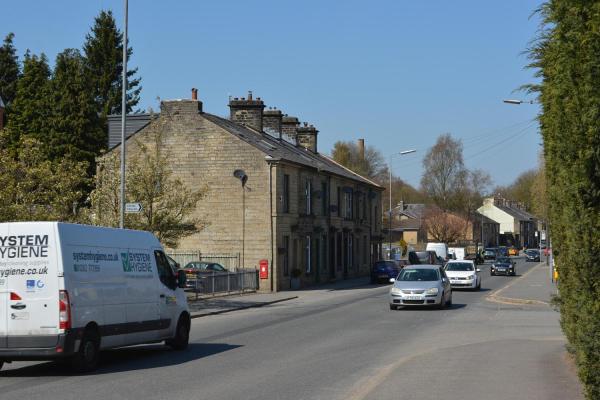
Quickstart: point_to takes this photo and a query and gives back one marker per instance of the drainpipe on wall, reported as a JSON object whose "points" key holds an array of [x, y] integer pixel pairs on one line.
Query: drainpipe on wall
{"points": [[271, 208]]}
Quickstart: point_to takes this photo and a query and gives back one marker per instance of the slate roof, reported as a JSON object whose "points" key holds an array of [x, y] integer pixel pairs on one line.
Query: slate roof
{"points": [[408, 224], [517, 213], [286, 151], [413, 211]]}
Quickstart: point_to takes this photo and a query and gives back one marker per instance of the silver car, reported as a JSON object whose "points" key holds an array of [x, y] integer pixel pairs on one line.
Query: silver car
{"points": [[421, 285]]}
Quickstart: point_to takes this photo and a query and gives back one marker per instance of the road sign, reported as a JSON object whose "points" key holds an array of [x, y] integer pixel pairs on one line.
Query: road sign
{"points": [[133, 207]]}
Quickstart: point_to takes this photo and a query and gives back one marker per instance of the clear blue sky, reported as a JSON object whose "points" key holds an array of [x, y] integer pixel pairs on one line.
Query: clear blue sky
{"points": [[395, 73]]}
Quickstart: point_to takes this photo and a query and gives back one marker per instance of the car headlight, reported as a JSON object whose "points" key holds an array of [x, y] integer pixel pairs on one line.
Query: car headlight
{"points": [[433, 290], [395, 290], [471, 277]]}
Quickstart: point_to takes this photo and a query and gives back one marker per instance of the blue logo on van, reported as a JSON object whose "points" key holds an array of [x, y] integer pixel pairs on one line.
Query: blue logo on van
{"points": [[30, 285]]}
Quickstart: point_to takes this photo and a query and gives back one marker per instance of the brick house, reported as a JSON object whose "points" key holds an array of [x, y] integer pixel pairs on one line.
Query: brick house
{"points": [[409, 222], [302, 210]]}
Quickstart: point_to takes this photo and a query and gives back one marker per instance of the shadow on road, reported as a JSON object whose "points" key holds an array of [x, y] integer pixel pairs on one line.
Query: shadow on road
{"points": [[124, 360]]}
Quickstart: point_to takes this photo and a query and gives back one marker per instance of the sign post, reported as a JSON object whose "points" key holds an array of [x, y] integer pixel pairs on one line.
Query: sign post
{"points": [[133, 207]]}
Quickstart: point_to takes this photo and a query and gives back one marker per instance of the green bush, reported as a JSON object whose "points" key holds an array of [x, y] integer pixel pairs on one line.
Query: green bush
{"points": [[566, 56]]}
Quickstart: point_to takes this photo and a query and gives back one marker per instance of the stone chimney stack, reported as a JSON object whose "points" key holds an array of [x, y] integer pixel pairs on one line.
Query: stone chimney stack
{"points": [[401, 205], [183, 106], [272, 120], [247, 112], [361, 148], [307, 137], [289, 125]]}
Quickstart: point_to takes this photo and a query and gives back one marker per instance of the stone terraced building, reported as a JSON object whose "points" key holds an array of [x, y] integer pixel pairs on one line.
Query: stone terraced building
{"points": [[299, 209]]}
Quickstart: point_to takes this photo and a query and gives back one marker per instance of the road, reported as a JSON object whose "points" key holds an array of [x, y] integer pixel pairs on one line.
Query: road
{"points": [[343, 344]]}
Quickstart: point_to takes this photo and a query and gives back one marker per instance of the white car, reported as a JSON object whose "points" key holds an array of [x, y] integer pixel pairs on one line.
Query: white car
{"points": [[463, 274]]}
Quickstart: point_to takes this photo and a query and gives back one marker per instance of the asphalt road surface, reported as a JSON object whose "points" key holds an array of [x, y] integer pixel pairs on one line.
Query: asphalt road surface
{"points": [[344, 344]]}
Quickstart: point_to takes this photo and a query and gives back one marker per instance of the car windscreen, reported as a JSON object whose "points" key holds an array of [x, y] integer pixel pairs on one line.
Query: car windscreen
{"points": [[196, 265], [489, 252], [459, 267], [533, 252], [503, 260], [419, 274]]}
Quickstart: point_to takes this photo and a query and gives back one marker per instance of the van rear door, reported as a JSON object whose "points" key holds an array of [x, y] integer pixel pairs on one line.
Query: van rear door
{"points": [[32, 316]]}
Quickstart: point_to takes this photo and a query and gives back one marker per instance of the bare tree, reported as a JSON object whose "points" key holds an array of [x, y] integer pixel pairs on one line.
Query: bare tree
{"points": [[474, 187], [444, 172], [443, 226], [368, 163]]}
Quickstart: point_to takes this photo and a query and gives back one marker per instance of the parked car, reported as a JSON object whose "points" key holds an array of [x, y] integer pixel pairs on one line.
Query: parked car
{"points": [[503, 266], [513, 251], [201, 269], [423, 257], [490, 253], [384, 270], [463, 274], [532, 255], [421, 285]]}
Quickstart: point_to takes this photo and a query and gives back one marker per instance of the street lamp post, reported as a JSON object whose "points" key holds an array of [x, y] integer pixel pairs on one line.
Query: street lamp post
{"points": [[390, 171]]}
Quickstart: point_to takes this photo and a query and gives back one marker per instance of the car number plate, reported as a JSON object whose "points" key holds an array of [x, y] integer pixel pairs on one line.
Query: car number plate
{"points": [[412, 297], [454, 281], [383, 276]]}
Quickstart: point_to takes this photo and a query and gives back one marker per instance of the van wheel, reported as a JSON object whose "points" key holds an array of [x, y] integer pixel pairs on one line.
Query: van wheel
{"points": [[182, 336], [86, 359]]}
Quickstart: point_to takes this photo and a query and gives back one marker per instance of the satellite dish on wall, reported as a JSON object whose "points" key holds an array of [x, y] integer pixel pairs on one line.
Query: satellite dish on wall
{"points": [[239, 173]]}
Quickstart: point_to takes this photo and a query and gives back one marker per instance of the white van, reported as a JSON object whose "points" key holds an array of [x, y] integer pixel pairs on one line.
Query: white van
{"points": [[441, 249], [71, 290]]}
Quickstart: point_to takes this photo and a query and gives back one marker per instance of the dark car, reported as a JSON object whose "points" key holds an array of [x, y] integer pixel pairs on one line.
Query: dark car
{"points": [[503, 251], [384, 270], [423, 258], [503, 266], [490, 253], [202, 269], [532, 255]]}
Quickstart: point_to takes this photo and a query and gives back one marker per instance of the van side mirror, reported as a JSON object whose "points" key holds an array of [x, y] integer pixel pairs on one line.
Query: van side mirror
{"points": [[181, 279], [392, 280]]}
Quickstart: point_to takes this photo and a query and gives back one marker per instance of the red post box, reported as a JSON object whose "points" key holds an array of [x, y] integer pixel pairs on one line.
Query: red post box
{"points": [[264, 269]]}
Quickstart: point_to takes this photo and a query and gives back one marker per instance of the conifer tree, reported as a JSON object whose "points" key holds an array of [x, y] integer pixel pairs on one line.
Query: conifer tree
{"points": [[104, 60], [76, 129], [30, 108], [9, 69]]}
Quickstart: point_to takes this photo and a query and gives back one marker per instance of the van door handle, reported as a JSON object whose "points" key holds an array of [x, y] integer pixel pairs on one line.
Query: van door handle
{"points": [[18, 306], [162, 296]]}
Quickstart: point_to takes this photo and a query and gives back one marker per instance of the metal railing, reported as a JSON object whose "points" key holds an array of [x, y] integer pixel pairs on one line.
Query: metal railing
{"points": [[207, 284]]}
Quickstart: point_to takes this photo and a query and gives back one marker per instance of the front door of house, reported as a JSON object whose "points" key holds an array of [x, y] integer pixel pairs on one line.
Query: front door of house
{"points": [[332, 257]]}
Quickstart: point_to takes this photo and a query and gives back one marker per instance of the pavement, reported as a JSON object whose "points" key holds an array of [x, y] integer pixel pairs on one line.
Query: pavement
{"points": [[533, 287], [218, 305]]}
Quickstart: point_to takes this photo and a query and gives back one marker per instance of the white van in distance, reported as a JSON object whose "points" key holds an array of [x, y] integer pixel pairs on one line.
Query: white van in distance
{"points": [[71, 290], [441, 249]]}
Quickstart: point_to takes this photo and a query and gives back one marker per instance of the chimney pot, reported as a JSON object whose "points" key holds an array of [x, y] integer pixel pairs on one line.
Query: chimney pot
{"points": [[243, 99], [194, 94], [258, 99], [249, 95], [306, 124], [235, 98]]}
